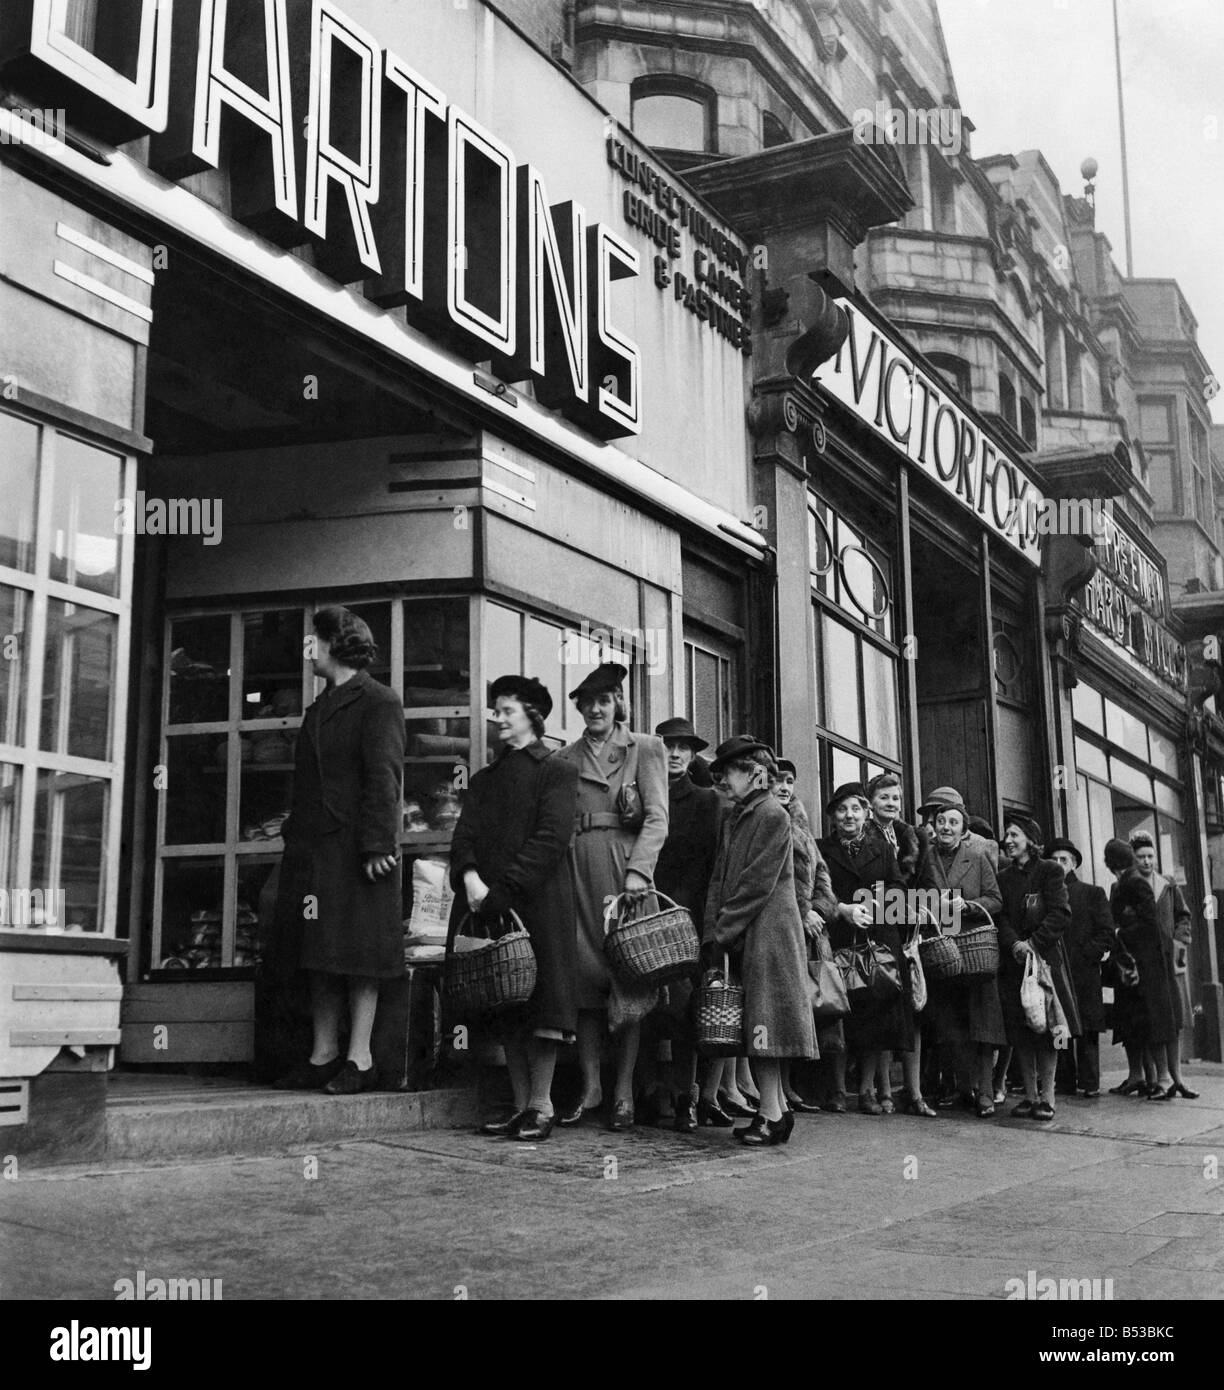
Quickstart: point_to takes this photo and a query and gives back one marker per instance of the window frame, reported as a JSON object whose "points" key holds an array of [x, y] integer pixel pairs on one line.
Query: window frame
{"points": [[670, 85]]}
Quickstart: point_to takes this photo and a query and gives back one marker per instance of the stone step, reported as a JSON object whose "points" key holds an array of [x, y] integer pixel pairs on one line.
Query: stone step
{"points": [[216, 1122]]}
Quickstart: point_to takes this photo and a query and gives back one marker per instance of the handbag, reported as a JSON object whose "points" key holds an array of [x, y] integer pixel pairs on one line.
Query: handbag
{"points": [[853, 969], [629, 805], [825, 987], [1120, 970], [918, 984], [869, 970], [1032, 996]]}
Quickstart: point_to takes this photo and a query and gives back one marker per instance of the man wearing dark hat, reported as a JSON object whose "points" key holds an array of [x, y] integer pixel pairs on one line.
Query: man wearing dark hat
{"points": [[1088, 939], [683, 874]]}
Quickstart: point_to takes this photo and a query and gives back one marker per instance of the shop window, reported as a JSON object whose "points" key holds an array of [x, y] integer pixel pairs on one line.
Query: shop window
{"points": [[673, 114], [236, 686], [1007, 400], [773, 132], [62, 606], [711, 672], [954, 370], [1087, 708]]}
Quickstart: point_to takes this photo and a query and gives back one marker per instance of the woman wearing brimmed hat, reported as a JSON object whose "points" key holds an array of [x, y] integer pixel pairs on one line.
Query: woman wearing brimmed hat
{"points": [[509, 853], [1035, 916], [859, 861], [1145, 1021], [619, 828], [965, 1014], [752, 915]]}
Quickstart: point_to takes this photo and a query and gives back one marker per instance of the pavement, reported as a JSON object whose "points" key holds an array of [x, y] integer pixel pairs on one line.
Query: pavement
{"points": [[854, 1207]]}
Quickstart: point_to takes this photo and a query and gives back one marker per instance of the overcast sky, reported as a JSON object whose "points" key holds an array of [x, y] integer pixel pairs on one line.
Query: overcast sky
{"points": [[1040, 74]]}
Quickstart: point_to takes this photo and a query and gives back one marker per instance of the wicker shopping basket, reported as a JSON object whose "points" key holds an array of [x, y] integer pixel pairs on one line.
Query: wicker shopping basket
{"points": [[497, 975], [720, 1015], [979, 949], [649, 948], [940, 958]]}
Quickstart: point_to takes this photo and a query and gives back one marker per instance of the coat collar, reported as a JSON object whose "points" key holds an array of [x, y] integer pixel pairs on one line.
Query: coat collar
{"points": [[682, 787], [536, 749], [346, 694], [590, 768]]}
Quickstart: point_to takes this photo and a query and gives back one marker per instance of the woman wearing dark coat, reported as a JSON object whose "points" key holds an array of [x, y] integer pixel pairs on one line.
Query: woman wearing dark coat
{"points": [[1089, 939], [1144, 1014], [509, 853], [752, 915], [340, 877], [859, 861], [965, 1013], [1034, 918], [682, 872]]}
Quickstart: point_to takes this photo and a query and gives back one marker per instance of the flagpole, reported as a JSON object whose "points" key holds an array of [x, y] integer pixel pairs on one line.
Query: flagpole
{"points": [[1130, 266]]}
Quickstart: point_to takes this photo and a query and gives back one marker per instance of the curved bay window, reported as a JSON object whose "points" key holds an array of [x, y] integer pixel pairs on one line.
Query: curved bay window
{"points": [[856, 677], [673, 113]]}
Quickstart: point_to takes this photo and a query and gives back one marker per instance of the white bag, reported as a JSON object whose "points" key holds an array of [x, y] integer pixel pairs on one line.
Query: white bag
{"points": [[1032, 996], [918, 983], [432, 896]]}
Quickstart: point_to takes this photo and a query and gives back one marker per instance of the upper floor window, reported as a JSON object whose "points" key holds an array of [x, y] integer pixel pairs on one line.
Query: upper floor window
{"points": [[1075, 375], [674, 114], [943, 195], [773, 131], [1159, 437], [1007, 400], [1201, 459], [1028, 422], [954, 370]]}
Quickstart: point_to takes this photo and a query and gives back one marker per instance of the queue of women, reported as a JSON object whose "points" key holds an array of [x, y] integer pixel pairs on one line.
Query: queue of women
{"points": [[561, 841]]}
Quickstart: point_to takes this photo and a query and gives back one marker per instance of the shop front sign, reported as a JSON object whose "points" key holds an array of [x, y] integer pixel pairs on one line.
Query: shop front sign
{"points": [[883, 385]]}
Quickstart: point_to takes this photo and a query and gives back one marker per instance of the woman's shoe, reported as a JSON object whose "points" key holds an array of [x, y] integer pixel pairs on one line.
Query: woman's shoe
{"points": [[948, 1101], [836, 1104], [1043, 1110], [985, 1109], [1092, 1095], [918, 1106], [710, 1115], [1023, 1111], [350, 1080], [307, 1076], [887, 1107], [622, 1115], [755, 1127], [572, 1117], [504, 1129], [801, 1107], [1129, 1088], [685, 1122], [868, 1105], [735, 1107], [761, 1133], [1184, 1091], [788, 1126], [535, 1127], [1161, 1093], [1000, 1096]]}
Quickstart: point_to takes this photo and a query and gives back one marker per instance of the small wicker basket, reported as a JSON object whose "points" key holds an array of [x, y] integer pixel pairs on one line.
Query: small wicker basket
{"points": [[940, 958], [650, 948], [498, 975], [979, 950], [720, 1016]]}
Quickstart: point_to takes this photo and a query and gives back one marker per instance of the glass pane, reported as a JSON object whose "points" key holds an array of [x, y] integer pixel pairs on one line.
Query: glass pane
{"points": [[265, 784], [503, 645], [193, 894], [378, 617], [545, 652], [840, 680], [1088, 844], [84, 519], [1154, 422], [195, 788], [18, 489], [1123, 728], [14, 607], [433, 796], [674, 122], [1130, 779], [78, 680], [1015, 754], [1168, 800], [199, 669], [818, 685], [70, 843], [1086, 706], [1163, 753], [436, 653], [10, 801], [1089, 758], [820, 545], [272, 660], [847, 767], [1129, 816], [865, 587], [255, 905], [880, 701], [1172, 844], [707, 701], [1100, 804]]}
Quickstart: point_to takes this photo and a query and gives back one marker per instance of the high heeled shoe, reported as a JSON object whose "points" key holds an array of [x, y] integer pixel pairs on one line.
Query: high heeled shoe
{"points": [[1161, 1093], [788, 1126], [1129, 1088], [505, 1129], [762, 1132], [1184, 1091], [802, 1107], [710, 1115], [734, 1108]]}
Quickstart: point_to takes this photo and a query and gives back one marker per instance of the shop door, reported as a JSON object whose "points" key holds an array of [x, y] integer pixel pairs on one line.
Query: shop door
{"points": [[951, 673]]}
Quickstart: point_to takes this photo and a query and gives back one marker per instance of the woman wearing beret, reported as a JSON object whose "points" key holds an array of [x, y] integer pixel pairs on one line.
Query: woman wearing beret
{"points": [[1145, 1019], [1089, 939], [619, 829], [1175, 936], [509, 853], [682, 872], [860, 860], [752, 915], [342, 852], [966, 1014], [1034, 918]]}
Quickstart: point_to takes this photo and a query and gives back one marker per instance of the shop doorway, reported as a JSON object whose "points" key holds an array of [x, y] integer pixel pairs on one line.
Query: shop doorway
{"points": [[952, 672]]}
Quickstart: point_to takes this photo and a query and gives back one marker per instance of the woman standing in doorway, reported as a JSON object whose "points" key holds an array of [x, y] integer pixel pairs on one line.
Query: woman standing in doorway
{"points": [[510, 854], [619, 830], [341, 871]]}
